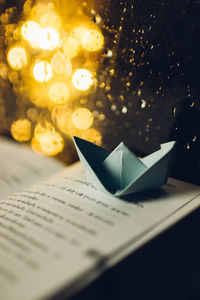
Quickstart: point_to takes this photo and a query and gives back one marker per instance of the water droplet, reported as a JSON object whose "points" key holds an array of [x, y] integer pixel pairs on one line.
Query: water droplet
{"points": [[124, 109], [113, 107], [143, 103]]}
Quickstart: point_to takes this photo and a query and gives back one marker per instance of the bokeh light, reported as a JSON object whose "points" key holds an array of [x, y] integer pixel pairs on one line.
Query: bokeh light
{"points": [[70, 47], [59, 93], [78, 32], [42, 71], [82, 79], [50, 19], [49, 39], [42, 128], [82, 118], [31, 32], [93, 135], [92, 40], [61, 64], [21, 130], [47, 139], [51, 66], [51, 143], [17, 57], [61, 117]]}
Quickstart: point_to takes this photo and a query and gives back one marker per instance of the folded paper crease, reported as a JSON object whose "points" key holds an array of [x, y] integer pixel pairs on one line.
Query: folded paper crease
{"points": [[121, 172]]}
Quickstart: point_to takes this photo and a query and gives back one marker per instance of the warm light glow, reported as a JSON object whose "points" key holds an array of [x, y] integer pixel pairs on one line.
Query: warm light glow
{"points": [[82, 118], [42, 71], [38, 95], [61, 117], [92, 135], [17, 58], [92, 40], [59, 93], [49, 39], [31, 32], [51, 143], [35, 145], [21, 130], [53, 51], [50, 20], [38, 10], [82, 79], [61, 65], [42, 128], [70, 47], [78, 32]]}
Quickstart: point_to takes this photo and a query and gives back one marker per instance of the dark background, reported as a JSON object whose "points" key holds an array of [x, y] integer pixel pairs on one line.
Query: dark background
{"points": [[157, 71]]}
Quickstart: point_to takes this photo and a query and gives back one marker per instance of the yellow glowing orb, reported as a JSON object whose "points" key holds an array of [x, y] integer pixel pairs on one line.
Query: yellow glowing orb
{"points": [[92, 40], [21, 130], [42, 71], [50, 20], [82, 79], [61, 117], [82, 118], [49, 39], [31, 32], [38, 95], [70, 47], [17, 58], [59, 93], [35, 145], [51, 143], [42, 128], [61, 64], [38, 10], [78, 32], [92, 135]]}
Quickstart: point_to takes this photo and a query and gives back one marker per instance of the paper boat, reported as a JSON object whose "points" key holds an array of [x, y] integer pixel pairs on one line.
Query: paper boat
{"points": [[121, 172]]}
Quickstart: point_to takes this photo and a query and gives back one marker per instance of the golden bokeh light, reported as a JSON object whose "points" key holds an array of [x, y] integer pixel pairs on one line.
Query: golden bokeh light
{"points": [[17, 57], [51, 143], [32, 114], [38, 95], [21, 130], [61, 64], [38, 10], [92, 40], [82, 79], [82, 118], [52, 70], [42, 128], [61, 117], [35, 145], [78, 32], [70, 47], [50, 19], [59, 93], [92, 135], [49, 39], [42, 71], [31, 32]]}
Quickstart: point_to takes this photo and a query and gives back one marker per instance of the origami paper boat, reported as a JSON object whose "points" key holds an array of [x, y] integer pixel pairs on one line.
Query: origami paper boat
{"points": [[121, 172]]}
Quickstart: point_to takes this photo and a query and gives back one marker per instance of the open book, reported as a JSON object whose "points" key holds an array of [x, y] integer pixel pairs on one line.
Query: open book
{"points": [[58, 233]]}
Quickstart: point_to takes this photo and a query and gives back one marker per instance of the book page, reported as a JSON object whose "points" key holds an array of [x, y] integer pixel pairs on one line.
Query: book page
{"points": [[62, 233], [20, 166]]}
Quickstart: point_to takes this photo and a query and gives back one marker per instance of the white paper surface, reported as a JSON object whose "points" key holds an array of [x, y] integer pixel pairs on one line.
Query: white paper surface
{"points": [[57, 232], [20, 167]]}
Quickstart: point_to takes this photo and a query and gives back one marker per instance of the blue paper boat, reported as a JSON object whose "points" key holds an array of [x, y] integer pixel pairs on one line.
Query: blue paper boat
{"points": [[121, 172]]}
